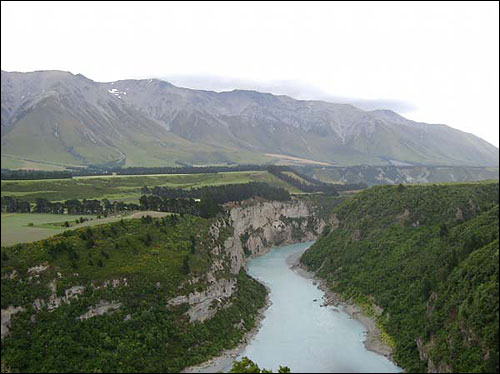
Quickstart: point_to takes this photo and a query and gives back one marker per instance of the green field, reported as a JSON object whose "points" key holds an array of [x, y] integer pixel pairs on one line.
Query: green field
{"points": [[128, 187], [17, 228]]}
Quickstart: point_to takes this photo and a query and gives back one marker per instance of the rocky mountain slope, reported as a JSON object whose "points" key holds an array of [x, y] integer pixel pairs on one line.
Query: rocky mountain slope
{"points": [[61, 118]]}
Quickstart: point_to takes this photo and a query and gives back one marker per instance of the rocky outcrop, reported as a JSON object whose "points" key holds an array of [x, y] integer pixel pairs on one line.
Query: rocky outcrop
{"points": [[38, 269], [6, 318], [55, 301], [424, 352], [205, 304], [12, 275], [102, 308]]}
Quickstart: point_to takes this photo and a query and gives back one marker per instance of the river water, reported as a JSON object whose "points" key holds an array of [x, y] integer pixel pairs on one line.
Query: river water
{"points": [[297, 332]]}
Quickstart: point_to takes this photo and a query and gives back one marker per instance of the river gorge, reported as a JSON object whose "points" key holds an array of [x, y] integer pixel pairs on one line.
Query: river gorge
{"points": [[298, 330]]}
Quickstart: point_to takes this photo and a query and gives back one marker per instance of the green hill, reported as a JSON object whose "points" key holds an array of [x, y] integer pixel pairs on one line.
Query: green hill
{"points": [[128, 273], [428, 256]]}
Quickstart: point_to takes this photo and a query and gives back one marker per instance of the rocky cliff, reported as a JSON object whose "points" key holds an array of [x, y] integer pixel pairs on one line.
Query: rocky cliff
{"points": [[256, 227]]}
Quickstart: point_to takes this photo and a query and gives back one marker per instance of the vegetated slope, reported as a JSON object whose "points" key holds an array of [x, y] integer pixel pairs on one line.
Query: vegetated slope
{"points": [[101, 298], [427, 255], [151, 122], [375, 175]]}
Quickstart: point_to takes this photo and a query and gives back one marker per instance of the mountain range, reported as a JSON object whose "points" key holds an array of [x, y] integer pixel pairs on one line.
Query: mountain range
{"points": [[58, 118]]}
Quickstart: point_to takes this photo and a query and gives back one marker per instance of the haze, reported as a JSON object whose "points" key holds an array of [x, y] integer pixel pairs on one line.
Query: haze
{"points": [[432, 62]]}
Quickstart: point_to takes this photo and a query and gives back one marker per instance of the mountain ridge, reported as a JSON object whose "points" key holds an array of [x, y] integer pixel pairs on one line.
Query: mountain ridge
{"points": [[151, 122]]}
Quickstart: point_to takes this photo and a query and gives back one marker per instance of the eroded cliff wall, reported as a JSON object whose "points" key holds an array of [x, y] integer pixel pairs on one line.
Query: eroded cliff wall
{"points": [[256, 228]]}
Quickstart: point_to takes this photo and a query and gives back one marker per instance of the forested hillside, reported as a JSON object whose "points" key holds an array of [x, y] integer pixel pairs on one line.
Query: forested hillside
{"points": [[101, 299], [428, 256]]}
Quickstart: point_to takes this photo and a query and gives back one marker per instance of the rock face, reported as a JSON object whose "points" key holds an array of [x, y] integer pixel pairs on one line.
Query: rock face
{"points": [[432, 367], [266, 224], [102, 308], [205, 304], [256, 228]]}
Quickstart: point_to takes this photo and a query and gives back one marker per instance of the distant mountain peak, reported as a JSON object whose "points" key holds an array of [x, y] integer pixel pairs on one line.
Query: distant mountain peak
{"points": [[56, 116]]}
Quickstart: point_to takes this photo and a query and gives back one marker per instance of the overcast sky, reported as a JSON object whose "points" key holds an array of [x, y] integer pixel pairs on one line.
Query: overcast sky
{"points": [[431, 62]]}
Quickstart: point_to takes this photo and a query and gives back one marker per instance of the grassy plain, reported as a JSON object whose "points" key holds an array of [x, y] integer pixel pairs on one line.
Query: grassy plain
{"points": [[128, 187], [19, 228], [28, 227]]}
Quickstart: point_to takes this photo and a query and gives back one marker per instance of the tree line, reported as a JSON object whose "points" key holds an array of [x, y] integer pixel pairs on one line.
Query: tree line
{"points": [[186, 169], [158, 199], [211, 198], [224, 193], [10, 204], [7, 174], [94, 170]]}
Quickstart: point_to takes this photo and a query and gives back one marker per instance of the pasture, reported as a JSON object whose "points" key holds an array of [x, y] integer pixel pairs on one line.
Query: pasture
{"points": [[28, 227], [127, 188]]}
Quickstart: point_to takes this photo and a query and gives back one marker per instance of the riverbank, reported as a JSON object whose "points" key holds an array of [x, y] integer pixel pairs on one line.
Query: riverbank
{"points": [[225, 360], [373, 341]]}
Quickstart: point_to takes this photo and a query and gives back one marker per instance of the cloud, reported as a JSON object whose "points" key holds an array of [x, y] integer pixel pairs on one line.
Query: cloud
{"points": [[295, 89]]}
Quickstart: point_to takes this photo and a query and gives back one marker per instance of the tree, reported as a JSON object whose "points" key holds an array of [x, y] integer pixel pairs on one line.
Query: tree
{"points": [[185, 269], [245, 365], [208, 206], [443, 230], [193, 244], [147, 239], [426, 288]]}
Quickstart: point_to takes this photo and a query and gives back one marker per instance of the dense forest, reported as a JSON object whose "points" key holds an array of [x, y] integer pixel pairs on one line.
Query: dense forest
{"points": [[428, 256], [133, 268]]}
